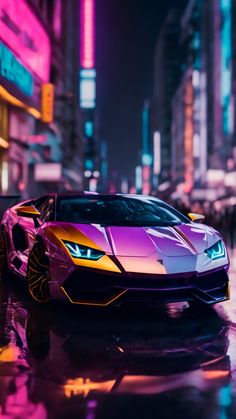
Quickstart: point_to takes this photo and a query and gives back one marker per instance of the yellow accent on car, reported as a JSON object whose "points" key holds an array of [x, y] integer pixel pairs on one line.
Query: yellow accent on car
{"points": [[27, 211], [97, 303], [72, 234], [196, 217]]}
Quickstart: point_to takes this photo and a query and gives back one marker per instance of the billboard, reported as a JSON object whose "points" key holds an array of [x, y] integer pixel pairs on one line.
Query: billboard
{"points": [[47, 172], [12, 70], [22, 32]]}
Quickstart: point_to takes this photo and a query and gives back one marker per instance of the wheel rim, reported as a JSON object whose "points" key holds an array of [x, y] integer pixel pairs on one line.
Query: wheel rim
{"points": [[38, 275], [2, 253]]}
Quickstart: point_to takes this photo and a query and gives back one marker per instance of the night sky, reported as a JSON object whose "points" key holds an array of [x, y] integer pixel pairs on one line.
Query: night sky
{"points": [[126, 35]]}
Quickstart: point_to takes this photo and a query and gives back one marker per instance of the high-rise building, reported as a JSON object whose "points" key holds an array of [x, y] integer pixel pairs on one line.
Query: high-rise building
{"points": [[167, 71], [189, 107], [88, 92], [72, 144], [207, 32]]}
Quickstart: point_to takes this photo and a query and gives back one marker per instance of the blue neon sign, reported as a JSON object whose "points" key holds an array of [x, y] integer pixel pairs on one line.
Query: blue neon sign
{"points": [[145, 128], [88, 128], [226, 55], [13, 71], [88, 88]]}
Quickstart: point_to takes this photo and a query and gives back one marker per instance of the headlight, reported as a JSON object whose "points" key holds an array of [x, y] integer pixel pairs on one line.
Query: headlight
{"points": [[216, 251], [83, 252]]}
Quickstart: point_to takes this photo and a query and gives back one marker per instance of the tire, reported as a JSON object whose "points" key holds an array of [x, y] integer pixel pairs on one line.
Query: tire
{"points": [[38, 274], [3, 254]]}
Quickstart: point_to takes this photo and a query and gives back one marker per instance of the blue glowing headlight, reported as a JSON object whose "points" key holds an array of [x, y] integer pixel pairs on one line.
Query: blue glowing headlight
{"points": [[83, 252], [216, 251]]}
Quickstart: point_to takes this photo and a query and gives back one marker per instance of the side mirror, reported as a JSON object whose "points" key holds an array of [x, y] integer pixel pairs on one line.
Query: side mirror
{"points": [[27, 211], [196, 218]]}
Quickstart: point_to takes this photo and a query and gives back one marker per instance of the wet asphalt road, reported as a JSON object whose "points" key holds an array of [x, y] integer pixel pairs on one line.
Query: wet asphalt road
{"points": [[138, 362]]}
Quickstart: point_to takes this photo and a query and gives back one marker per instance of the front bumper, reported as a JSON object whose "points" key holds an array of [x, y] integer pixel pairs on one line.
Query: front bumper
{"points": [[86, 287]]}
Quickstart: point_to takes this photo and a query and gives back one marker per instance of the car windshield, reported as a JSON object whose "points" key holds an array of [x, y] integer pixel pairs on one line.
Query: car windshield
{"points": [[117, 211]]}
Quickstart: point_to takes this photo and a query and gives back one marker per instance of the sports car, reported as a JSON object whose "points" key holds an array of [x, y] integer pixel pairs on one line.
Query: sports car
{"points": [[100, 250]]}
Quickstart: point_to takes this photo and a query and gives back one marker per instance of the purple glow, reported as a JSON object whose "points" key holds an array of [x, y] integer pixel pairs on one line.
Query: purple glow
{"points": [[157, 153], [29, 41], [87, 33]]}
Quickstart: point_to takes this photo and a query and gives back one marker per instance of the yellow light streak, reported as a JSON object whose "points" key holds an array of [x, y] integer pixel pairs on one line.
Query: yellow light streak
{"points": [[214, 374], [3, 143], [83, 386], [4, 94]]}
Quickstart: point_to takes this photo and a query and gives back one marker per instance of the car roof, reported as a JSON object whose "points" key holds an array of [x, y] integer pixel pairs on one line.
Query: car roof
{"points": [[92, 194]]}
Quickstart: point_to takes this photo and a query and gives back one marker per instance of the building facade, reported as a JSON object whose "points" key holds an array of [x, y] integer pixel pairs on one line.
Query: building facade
{"points": [[40, 147], [25, 54], [167, 72], [207, 34]]}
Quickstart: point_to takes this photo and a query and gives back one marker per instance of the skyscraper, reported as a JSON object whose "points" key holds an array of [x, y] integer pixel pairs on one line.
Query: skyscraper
{"points": [[167, 71]]}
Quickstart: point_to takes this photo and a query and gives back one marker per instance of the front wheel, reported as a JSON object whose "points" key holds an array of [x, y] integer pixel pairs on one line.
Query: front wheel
{"points": [[38, 274]]}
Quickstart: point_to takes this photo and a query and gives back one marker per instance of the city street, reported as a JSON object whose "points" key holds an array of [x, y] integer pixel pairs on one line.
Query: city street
{"points": [[59, 361], [117, 140]]}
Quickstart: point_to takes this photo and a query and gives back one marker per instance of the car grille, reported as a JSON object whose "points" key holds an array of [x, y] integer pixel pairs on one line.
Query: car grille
{"points": [[88, 285], [211, 281]]}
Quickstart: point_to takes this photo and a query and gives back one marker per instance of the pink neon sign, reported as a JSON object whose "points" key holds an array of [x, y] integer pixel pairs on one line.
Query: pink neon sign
{"points": [[22, 32], [87, 33]]}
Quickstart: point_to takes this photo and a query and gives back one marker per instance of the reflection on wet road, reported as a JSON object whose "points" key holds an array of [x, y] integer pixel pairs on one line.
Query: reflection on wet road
{"points": [[63, 362]]}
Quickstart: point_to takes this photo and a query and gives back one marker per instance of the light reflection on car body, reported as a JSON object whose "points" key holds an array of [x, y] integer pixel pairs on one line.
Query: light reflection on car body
{"points": [[74, 248]]}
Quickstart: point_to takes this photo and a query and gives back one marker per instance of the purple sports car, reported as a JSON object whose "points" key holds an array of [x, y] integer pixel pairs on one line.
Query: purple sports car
{"points": [[100, 250]]}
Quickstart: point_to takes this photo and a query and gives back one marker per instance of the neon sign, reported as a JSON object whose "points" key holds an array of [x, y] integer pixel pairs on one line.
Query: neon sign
{"points": [[88, 128], [188, 138], [145, 127], [87, 33], [138, 178], [12, 70], [22, 32], [47, 102], [87, 73], [226, 76], [157, 153], [87, 89], [146, 173]]}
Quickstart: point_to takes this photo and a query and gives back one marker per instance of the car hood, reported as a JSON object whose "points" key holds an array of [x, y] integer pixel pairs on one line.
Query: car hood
{"points": [[181, 240]]}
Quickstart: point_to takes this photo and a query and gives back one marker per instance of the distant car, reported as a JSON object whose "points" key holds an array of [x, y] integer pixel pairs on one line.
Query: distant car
{"points": [[101, 250]]}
